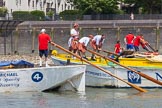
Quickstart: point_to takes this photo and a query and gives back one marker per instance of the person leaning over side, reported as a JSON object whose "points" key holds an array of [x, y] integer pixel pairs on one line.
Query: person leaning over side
{"points": [[144, 44], [74, 37], [97, 43], [44, 39], [82, 45], [129, 41]]}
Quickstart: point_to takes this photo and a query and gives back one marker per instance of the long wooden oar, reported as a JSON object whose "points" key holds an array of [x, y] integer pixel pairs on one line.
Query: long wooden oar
{"points": [[140, 73], [132, 85]]}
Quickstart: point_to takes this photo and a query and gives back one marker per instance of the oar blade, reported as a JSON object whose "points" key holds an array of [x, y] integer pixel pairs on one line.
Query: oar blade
{"points": [[137, 87]]}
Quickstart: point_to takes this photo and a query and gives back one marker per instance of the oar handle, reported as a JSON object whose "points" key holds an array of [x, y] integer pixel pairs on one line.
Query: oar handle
{"points": [[106, 71]]}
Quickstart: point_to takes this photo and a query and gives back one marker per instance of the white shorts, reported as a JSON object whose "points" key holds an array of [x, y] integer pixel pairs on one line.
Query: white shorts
{"points": [[69, 41]]}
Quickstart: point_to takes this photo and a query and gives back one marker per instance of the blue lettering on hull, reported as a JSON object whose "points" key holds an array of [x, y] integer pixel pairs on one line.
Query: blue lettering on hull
{"points": [[8, 74], [158, 76], [10, 79], [97, 74]]}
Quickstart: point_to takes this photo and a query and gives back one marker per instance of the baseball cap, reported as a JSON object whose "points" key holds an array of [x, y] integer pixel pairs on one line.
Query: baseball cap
{"points": [[43, 30]]}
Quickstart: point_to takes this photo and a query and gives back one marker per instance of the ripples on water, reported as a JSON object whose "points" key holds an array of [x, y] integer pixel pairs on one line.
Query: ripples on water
{"points": [[92, 98]]}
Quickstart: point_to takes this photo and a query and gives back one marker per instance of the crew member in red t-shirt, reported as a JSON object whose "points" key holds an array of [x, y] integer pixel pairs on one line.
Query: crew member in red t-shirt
{"points": [[43, 40], [117, 51], [129, 41], [117, 47], [137, 42]]}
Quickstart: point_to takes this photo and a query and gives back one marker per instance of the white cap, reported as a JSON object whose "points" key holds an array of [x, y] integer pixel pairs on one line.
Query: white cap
{"points": [[43, 30]]}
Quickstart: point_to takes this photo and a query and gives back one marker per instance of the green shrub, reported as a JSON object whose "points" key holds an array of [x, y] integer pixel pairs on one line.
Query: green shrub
{"points": [[26, 15], [37, 15], [50, 13], [3, 11], [21, 15], [70, 15]]}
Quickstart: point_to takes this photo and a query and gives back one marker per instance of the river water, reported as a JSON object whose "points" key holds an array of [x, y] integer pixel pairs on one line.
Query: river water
{"points": [[91, 98]]}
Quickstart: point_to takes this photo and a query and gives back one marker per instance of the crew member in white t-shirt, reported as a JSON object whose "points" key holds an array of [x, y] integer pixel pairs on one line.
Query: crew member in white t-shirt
{"points": [[97, 43], [82, 45], [74, 37]]}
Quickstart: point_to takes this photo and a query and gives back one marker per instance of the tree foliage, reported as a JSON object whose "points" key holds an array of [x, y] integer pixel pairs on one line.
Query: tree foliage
{"points": [[97, 7], [111, 6], [145, 6]]}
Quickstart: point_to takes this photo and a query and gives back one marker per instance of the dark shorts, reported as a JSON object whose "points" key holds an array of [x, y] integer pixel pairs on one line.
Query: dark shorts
{"points": [[136, 48], [129, 47], [43, 52]]}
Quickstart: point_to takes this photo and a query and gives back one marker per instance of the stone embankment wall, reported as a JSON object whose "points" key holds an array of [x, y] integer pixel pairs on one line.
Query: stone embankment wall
{"points": [[23, 40]]}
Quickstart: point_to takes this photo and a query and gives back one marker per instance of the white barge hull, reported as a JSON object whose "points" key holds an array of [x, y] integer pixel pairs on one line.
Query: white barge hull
{"points": [[97, 78], [45, 78]]}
